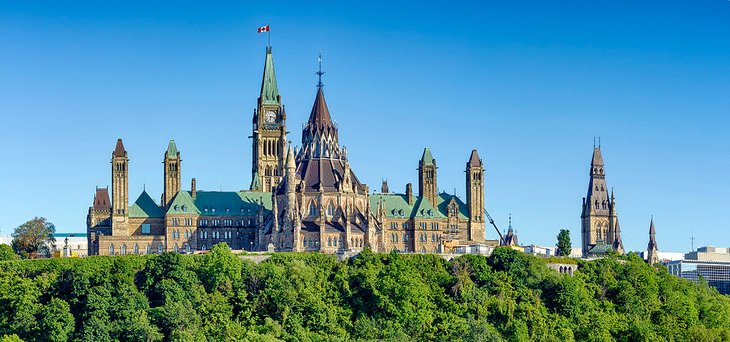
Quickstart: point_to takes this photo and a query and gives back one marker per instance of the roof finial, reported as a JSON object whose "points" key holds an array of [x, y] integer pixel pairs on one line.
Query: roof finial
{"points": [[599, 141], [594, 141], [320, 72]]}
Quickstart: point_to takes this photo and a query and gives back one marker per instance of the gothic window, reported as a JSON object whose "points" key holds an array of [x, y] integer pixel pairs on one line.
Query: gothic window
{"points": [[111, 249], [340, 241], [331, 209], [433, 237], [596, 204], [149, 249], [329, 241], [187, 248], [135, 249], [604, 204], [312, 209], [123, 250], [304, 241], [174, 248], [159, 248], [334, 242]]}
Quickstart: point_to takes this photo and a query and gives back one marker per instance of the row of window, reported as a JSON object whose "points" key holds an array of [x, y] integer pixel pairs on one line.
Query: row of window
{"points": [[422, 237], [219, 235], [422, 225]]}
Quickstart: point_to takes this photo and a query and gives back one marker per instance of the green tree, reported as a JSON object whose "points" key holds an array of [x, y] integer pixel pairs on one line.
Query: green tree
{"points": [[57, 322], [7, 253], [34, 239], [564, 245]]}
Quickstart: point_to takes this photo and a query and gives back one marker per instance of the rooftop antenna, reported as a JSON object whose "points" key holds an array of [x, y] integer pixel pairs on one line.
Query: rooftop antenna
{"points": [[692, 240], [319, 71], [599, 141]]}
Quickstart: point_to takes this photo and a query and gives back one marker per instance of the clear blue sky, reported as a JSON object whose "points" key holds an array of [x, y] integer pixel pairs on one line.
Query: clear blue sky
{"points": [[527, 83]]}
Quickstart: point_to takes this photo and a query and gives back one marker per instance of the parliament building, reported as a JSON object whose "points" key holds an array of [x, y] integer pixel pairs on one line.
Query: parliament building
{"points": [[300, 199]]}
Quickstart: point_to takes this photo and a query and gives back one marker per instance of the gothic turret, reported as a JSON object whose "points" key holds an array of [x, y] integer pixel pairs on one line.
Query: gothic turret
{"points": [[172, 173], [599, 220], [427, 186], [652, 249], [475, 196], [120, 189]]}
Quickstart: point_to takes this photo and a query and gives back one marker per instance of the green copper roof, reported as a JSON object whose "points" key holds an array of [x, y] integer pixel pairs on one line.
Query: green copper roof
{"points": [[396, 206], [145, 206], [600, 248], [427, 158], [269, 90], [255, 182], [215, 203], [171, 149]]}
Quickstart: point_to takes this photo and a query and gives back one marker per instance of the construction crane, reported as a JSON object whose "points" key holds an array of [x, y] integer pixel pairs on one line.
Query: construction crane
{"points": [[501, 238]]}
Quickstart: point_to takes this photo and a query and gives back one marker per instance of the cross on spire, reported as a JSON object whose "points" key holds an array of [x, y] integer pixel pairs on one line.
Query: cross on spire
{"points": [[319, 72]]}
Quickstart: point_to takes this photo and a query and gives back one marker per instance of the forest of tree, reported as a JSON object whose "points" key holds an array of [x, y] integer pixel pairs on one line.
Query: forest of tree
{"points": [[508, 296]]}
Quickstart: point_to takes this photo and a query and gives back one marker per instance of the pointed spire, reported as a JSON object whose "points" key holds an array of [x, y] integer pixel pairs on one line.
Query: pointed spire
{"points": [[319, 72], [171, 150], [474, 159], [319, 118], [269, 89], [597, 159], [119, 150], [427, 158], [652, 230], [290, 163]]}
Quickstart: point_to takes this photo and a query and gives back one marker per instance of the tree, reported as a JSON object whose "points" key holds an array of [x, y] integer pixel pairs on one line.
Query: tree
{"points": [[564, 245], [34, 238], [57, 322], [7, 253]]}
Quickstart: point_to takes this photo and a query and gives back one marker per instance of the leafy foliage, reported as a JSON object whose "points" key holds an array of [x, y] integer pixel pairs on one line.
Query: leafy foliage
{"points": [[564, 245], [509, 296], [34, 239]]}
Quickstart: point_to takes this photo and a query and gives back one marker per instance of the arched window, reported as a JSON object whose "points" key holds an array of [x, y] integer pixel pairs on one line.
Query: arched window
{"points": [[159, 248], [340, 241], [304, 241], [187, 248], [135, 249], [174, 248], [329, 241], [312, 208], [111, 249], [334, 242], [311, 241], [148, 249], [331, 209]]}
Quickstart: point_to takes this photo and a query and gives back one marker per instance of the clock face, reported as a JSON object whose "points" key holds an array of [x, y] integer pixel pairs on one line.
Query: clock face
{"points": [[270, 117]]}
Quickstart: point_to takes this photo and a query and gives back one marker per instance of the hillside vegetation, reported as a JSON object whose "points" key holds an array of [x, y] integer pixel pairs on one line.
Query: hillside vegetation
{"points": [[311, 297]]}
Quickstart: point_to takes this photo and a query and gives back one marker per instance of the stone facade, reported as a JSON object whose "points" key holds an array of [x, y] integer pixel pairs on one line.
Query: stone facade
{"points": [[300, 199], [600, 229]]}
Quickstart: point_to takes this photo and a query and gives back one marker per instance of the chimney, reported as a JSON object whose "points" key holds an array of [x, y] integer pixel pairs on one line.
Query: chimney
{"points": [[193, 188], [409, 193]]}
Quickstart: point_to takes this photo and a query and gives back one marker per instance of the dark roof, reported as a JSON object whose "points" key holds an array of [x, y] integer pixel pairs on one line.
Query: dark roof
{"points": [[324, 174], [101, 199], [474, 159], [319, 118], [119, 149]]}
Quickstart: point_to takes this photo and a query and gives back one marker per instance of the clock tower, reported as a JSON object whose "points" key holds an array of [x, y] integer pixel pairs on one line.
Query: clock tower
{"points": [[269, 132]]}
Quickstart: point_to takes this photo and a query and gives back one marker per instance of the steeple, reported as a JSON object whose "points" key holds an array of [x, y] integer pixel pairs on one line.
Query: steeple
{"points": [[319, 135], [652, 248], [120, 189], [427, 186], [172, 177], [475, 196], [269, 89], [599, 220], [269, 132]]}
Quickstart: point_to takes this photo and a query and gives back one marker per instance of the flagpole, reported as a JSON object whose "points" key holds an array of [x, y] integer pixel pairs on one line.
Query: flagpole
{"points": [[268, 35]]}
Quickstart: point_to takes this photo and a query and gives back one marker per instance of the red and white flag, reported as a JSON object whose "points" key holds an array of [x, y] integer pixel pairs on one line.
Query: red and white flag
{"points": [[264, 29]]}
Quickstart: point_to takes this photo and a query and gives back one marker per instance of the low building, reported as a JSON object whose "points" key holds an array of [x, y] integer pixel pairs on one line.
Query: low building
{"points": [[540, 250], [709, 263], [71, 244]]}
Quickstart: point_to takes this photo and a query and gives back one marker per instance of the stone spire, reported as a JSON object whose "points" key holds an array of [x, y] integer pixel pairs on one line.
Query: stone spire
{"points": [[652, 248], [599, 220], [172, 173]]}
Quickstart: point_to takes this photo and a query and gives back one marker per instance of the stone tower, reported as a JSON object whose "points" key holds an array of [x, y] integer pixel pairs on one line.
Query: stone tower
{"points": [[120, 190], [475, 196], [599, 220], [172, 173], [427, 177], [652, 249], [269, 132]]}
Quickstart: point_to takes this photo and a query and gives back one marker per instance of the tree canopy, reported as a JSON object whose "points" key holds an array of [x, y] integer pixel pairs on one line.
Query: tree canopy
{"points": [[34, 239], [508, 296], [564, 245]]}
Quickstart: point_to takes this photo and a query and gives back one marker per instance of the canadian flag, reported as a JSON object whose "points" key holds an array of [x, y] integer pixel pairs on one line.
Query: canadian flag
{"points": [[264, 29]]}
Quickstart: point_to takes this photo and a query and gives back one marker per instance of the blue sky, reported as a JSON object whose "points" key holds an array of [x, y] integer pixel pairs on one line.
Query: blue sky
{"points": [[527, 83]]}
